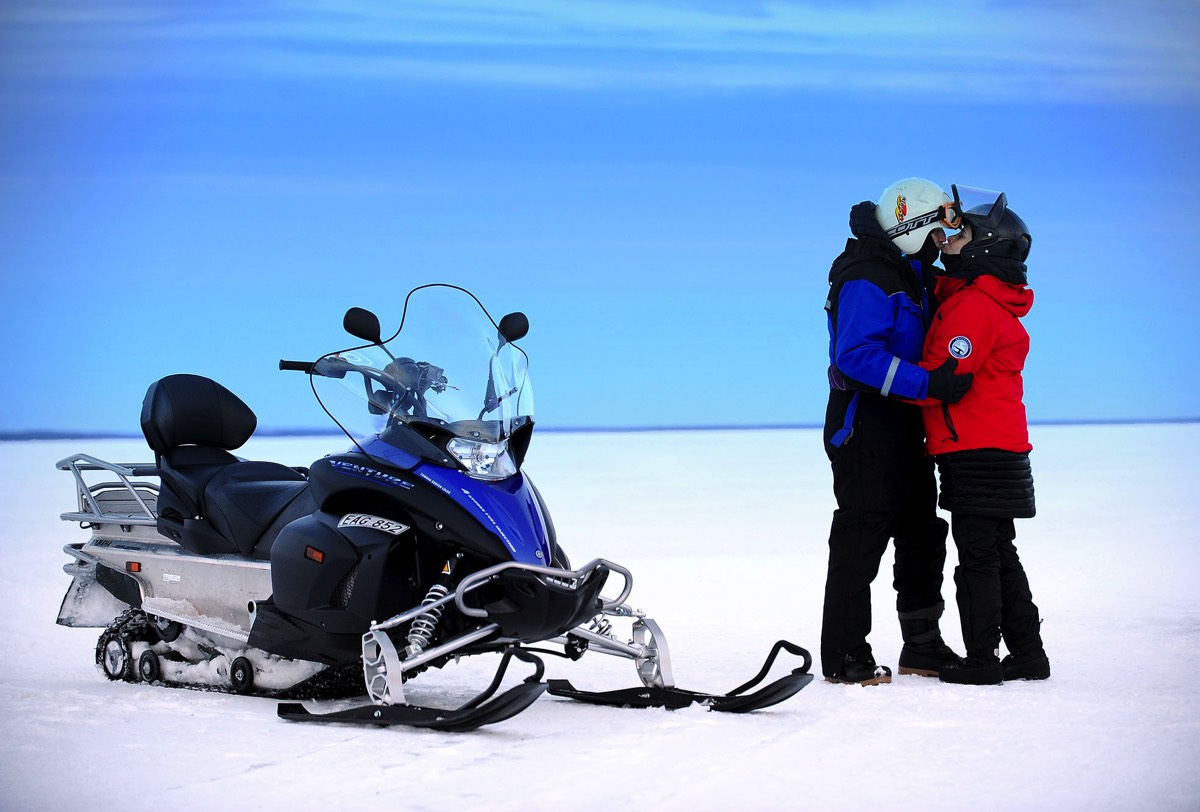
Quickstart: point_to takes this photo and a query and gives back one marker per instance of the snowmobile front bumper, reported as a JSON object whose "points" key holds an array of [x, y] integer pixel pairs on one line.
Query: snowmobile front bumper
{"points": [[574, 598]]}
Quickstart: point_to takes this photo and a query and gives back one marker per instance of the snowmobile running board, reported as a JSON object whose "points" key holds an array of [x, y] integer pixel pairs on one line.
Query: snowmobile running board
{"points": [[673, 698], [480, 711]]}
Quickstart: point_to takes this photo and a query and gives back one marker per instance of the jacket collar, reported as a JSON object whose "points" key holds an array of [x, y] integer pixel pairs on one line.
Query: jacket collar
{"points": [[1017, 299]]}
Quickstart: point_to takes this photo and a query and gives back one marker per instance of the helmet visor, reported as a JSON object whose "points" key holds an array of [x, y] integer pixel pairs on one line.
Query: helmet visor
{"points": [[982, 202]]}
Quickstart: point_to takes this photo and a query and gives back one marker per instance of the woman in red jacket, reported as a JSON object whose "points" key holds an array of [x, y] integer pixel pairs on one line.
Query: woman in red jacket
{"points": [[981, 443]]}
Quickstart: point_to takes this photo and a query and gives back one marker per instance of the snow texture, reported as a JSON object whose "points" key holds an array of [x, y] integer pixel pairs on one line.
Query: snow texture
{"points": [[726, 535]]}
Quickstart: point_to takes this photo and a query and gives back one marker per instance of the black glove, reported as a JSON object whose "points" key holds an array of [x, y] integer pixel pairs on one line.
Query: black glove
{"points": [[947, 387], [863, 222]]}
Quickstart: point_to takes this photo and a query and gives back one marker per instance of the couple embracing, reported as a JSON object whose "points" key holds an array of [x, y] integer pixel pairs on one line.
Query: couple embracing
{"points": [[925, 370]]}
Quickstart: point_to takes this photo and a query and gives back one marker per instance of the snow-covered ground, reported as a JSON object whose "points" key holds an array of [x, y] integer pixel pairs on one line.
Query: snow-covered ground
{"points": [[725, 533]]}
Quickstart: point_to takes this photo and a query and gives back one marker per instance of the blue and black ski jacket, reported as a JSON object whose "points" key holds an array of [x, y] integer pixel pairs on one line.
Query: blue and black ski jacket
{"points": [[879, 306]]}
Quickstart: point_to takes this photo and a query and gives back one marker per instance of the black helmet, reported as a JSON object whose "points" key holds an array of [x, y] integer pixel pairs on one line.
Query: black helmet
{"points": [[996, 231]]}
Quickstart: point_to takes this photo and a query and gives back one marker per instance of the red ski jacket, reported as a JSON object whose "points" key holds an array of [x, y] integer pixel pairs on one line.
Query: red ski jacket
{"points": [[978, 323]]}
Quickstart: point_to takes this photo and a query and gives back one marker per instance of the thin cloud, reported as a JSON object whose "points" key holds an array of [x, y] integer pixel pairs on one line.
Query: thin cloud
{"points": [[1117, 51]]}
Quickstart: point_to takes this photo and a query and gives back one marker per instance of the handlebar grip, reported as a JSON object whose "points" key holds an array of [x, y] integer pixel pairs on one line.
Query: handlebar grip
{"points": [[296, 366]]}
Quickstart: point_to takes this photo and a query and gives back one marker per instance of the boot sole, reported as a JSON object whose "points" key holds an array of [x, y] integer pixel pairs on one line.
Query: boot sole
{"points": [[978, 682], [884, 680], [972, 677], [1027, 671], [917, 672]]}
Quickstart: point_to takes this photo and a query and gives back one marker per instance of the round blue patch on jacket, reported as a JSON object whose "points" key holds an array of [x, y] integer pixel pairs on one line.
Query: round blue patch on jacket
{"points": [[960, 347]]}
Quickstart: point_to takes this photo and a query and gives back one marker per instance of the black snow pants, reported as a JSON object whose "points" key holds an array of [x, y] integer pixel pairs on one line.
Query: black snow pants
{"points": [[993, 593], [885, 489]]}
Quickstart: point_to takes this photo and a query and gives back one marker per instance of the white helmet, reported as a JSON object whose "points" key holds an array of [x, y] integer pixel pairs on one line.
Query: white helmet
{"points": [[909, 209]]}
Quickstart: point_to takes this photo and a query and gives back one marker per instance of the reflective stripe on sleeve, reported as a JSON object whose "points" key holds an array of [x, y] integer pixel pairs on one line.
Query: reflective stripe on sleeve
{"points": [[891, 376]]}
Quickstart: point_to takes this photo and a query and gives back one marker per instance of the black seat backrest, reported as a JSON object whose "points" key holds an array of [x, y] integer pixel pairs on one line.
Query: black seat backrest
{"points": [[182, 410]]}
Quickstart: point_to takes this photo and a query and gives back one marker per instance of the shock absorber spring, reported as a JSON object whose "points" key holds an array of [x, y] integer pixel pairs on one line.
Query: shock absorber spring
{"points": [[424, 624], [601, 625]]}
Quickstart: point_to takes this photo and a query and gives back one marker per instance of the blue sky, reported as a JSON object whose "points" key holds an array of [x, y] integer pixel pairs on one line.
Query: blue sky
{"points": [[206, 186]]}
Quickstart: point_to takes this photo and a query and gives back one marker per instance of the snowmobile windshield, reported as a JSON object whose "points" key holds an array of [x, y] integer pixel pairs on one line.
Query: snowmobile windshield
{"points": [[448, 373]]}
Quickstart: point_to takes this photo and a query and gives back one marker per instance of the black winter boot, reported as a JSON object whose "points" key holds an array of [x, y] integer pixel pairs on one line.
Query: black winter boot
{"points": [[1026, 665], [858, 672], [974, 671], [924, 652]]}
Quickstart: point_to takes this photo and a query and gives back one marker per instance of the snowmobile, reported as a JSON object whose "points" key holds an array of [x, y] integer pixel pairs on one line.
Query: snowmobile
{"points": [[423, 543]]}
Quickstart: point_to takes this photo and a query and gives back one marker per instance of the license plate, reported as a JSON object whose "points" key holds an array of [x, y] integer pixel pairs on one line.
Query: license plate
{"points": [[372, 522]]}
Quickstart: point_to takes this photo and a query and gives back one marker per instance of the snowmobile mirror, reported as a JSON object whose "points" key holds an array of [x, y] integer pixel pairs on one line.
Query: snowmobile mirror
{"points": [[514, 326], [362, 324]]}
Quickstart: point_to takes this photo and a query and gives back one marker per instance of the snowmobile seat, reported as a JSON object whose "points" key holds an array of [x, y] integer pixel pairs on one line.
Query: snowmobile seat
{"points": [[212, 501]]}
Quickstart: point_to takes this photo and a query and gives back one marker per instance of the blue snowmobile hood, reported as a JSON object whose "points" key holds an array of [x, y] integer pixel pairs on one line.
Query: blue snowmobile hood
{"points": [[508, 508]]}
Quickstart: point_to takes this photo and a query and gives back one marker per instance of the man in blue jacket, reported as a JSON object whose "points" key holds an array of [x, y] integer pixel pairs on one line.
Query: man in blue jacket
{"points": [[879, 307]]}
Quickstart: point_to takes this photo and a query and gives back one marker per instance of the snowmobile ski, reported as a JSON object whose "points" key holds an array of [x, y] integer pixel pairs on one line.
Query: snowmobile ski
{"points": [[484, 709], [505, 706], [672, 698]]}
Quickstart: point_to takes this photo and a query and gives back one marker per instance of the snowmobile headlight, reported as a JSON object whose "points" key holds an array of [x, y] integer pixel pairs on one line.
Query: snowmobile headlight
{"points": [[483, 460]]}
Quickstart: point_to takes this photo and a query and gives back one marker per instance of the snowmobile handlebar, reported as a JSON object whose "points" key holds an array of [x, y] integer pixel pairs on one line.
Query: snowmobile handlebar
{"points": [[330, 366]]}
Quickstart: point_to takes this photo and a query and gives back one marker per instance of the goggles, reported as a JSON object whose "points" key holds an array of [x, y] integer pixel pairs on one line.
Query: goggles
{"points": [[945, 215]]}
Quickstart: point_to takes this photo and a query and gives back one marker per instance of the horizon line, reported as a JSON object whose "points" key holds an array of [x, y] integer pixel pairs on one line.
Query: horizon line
{"points": [[41, 435]]}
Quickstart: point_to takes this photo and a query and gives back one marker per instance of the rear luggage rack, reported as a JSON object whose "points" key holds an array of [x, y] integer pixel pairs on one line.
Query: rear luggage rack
{"points": [[125, 502]]}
